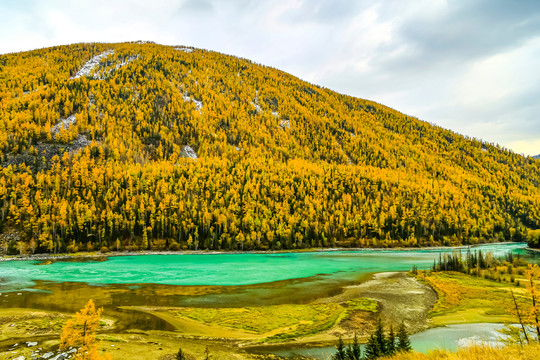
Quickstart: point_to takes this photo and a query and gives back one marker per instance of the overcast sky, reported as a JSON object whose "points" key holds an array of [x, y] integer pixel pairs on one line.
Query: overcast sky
{"points": [[470, 66]]}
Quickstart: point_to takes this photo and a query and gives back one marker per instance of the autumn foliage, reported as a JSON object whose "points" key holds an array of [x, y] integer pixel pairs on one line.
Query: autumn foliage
{"points": [[80, 333], [98, 162]]}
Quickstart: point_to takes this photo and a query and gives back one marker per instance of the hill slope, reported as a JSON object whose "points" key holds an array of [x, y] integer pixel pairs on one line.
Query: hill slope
{"points": [[143, 146]]}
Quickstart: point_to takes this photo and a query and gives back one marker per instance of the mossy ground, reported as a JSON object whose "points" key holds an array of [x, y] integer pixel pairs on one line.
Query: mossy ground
{"points": [[471, 299], [223, 330], [16, 323], [261, 323]]}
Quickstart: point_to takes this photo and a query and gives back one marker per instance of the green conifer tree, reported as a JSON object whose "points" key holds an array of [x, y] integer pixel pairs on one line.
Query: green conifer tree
{"points": [[391, 342], [404, 344], [340, 351], [371, 351], [380, 338], [353, 350]]}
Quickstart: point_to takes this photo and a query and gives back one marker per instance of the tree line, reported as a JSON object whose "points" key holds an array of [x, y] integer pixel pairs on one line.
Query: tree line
{"points": [[379, 345]]}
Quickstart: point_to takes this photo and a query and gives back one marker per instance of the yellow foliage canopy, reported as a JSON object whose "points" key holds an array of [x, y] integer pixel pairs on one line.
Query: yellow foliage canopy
{"points": [[102, 161]]}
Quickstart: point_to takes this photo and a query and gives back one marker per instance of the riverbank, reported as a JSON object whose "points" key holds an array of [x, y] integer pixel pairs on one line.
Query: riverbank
{"points": [[243, 332], [402, 298], [232, 333], [100, 255]]}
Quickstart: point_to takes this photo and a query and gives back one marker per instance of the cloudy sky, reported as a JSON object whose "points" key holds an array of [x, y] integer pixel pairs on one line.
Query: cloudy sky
{"points": [[467, 65]]}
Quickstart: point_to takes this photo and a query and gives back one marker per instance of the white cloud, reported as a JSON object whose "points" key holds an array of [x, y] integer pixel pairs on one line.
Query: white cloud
{"points": [[526, 147], [468, 65]]}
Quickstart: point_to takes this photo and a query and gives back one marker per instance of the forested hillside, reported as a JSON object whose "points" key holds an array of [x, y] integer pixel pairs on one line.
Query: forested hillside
{"points": [[141, 146]]}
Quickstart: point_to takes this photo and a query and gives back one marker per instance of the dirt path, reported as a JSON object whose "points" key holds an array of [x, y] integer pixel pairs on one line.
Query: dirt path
{"points": [[402, 298]]}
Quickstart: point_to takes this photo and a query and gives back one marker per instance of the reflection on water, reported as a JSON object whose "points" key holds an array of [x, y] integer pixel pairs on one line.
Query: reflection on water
{"points": [[71, 297], [131, 319]]}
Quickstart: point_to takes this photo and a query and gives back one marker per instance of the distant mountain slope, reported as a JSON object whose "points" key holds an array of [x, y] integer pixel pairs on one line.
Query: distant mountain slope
{"points": [[537, 156], [143, 146]]}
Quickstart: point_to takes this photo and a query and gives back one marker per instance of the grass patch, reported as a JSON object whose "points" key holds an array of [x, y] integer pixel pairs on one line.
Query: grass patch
{"points": [[469, 299], [266, 323], [260, 323], [15, 323], [478, 352], [362, 304], [110, 339], [277, 321]]}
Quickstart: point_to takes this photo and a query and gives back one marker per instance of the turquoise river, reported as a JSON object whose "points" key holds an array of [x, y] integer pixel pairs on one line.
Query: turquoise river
{"points": [[224, 269]]}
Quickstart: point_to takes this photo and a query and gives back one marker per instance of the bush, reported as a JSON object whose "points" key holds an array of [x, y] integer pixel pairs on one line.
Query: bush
{"points": [[158, 245], [72, 248], [131, 248]]}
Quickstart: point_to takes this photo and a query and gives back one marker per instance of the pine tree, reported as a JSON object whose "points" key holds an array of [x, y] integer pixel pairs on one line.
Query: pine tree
{"points": [[371, 350], [391, 342], [207, 354], [353, 350], [180, 355], [340, 354], [380, 338], [404, 344]]}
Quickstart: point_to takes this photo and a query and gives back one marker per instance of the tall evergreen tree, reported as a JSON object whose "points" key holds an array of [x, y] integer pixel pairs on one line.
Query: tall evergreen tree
{"points": [[180, 355], [404, 344], [372, 351], [380, 338], [376, 346], [391, 342], [340, 348], [353, 350]]}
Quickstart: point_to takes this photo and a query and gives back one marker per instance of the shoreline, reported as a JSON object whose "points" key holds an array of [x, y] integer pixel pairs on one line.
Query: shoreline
{"points": [[98, 255]]}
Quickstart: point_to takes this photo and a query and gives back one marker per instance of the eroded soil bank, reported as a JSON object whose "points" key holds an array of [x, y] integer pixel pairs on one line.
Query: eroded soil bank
{"points": [[401, 297]]}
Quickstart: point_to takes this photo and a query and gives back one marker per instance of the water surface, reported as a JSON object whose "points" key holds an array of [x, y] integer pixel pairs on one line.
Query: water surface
{"points": [[225, 269]]}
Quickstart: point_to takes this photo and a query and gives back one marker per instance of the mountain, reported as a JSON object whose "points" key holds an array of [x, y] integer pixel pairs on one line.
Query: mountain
{"points": [[536, 157], [143, 146]]}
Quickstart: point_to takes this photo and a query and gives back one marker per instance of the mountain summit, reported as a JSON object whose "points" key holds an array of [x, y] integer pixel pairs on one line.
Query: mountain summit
{"points": [[142, 146]]}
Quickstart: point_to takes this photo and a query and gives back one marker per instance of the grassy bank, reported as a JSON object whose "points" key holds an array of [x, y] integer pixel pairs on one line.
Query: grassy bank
{"points": [[261, 323], [224, 330], [228, 331], [468, 299]]}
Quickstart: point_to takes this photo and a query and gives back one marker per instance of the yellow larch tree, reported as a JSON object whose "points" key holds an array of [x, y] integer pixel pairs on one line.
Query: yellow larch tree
{"points": [[80, 333]]}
